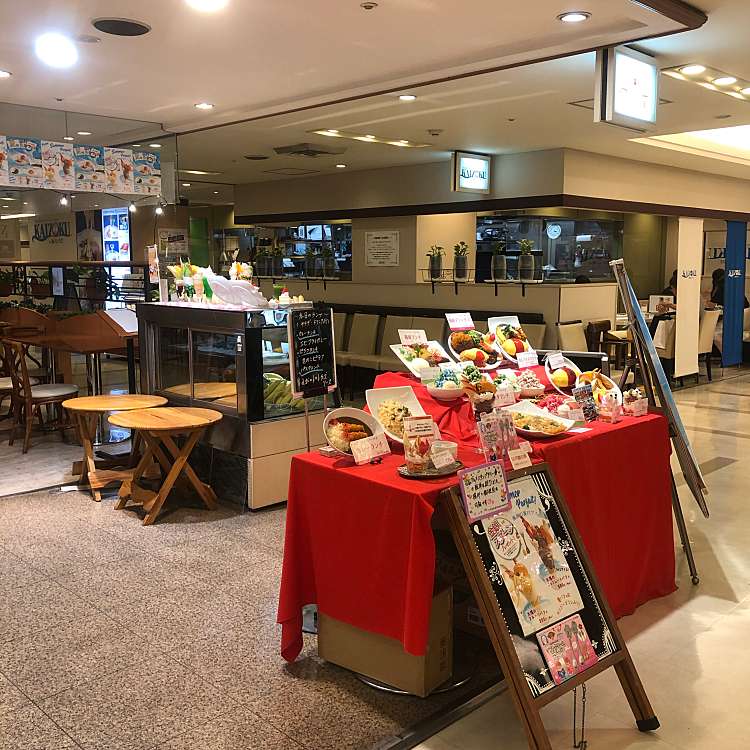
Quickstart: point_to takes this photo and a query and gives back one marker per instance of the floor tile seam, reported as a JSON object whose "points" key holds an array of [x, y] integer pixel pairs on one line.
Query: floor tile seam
{"points": [[37, 571], [721, 433]]}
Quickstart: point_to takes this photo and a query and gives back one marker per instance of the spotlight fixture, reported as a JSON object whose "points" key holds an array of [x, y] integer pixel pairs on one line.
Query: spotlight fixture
{"points": [[725, 80], [186, 184], [63, 200], [198, 172], [132, 207], [407, 97], [574, 16], [56, 50], [84, 132], [216, 192], [68, 138], [6, 206], [154, 145], [5, 74], [341, 166], [693, 70], [207, 6], [135, 145], [369, 5], [204, 105], [159, 211]]}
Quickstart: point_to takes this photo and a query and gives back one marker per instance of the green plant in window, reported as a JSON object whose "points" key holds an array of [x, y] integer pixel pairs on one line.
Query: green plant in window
{"points": [[436, 251], [460, 250], [526, 246]]}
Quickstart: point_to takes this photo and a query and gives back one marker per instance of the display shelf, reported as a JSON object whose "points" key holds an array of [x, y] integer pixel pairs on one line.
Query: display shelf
{"points": [[510, 282], [448, 276]]}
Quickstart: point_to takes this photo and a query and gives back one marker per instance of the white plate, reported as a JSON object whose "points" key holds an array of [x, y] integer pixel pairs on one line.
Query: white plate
{"points": [[457, 356], [405, 394], [512, 320], [526, 407], [568, 363], [398, 350], [358, 414], [445, 394], [613, 386]]}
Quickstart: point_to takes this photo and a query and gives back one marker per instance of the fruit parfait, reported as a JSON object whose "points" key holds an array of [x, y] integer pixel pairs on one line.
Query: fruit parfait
{"points": [[475, 347], [563, 378], [478, 389]]}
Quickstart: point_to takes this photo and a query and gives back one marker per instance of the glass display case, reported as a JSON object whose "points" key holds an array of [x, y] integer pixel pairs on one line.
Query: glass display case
{"points": [[236, 362]]}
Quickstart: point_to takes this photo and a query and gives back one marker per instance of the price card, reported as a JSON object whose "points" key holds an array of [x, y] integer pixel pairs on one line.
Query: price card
{"points": [[410, 336], [459, 321], [639, 408], [484, 490], [505, 396], [519, 459], [429, 374], [441, 458], [580, 429], [525, 445], [576, 414], [419, 426], [365, 449], [527, 359], [556, 360]]}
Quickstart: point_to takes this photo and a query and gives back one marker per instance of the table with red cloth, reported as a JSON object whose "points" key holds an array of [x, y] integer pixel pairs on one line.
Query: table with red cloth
{"points": [[359, 541]]}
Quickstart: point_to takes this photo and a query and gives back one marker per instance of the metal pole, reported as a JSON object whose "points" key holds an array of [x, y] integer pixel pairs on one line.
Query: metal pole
{"points": [[307, 426], [684, 537]]}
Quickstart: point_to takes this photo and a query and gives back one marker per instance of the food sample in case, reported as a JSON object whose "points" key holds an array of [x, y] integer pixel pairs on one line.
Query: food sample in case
{"points": [[341, 432], [475, 347], [534, 423], [511, 339], [417, 357]]}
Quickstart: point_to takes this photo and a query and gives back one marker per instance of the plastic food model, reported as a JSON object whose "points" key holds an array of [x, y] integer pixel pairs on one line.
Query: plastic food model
{"points": [[479, 390], [528, 381], [422, 353], [599, 386], [448, 379], [475, 347], [563, 378], [512, 339], [506, 379], [552, 402], [341, 433], [634, 394]]}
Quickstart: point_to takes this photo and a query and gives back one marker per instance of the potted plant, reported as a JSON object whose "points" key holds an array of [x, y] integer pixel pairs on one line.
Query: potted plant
{"points": [[311, 258], [6, 283], [261, 261], [460, 261], [40, 285], [99, 286], [526, 260], [499, 262], [435, 254], [329, 262], [277, 260]]}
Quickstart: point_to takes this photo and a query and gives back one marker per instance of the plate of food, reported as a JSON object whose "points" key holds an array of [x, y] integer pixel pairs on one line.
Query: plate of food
{"points": [[533, 422], [509, 337], [342, 427], [475, 347], [447, 386], [507, 378], [419, 356], [391, 405], [601, 385], [529, 384], [564, 378]]}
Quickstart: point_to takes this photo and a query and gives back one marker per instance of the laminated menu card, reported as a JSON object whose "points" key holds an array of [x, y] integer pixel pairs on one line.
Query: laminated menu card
{"points": [[484, 490], [147, 172], [118, 169], [58, 163], [567, 649], [89, 165]]}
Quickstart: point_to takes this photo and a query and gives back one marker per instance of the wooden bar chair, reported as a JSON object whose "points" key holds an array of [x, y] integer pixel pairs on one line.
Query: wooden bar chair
{"points": [[28, 399]]}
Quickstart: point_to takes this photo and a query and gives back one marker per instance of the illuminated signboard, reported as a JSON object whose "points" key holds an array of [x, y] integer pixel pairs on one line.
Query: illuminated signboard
{"points": [[627, 88], [471, 173]]}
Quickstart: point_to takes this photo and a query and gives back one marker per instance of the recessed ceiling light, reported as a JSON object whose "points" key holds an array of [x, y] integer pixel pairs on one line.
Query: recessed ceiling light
{"points": [[746, 91], [574, 16], [404, 141], [341, 166], [6, 206], [56, 50], [25, 203], [84, 132], [68, 138], [369, 137], [204, 105], [407, 97], [216, 192], [197, 171], [186, 184], [121, 26], [207, 6], [154, 145], [5, 74], [136, 145], [725, 81], [368, 5], [693, 70]]}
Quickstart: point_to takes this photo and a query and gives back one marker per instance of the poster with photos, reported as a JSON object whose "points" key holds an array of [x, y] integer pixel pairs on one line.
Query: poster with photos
{"points": [[118, 170], [567, 649], [4, 174], [25, 162], [147, 172], [58, 163], [89, 165]]}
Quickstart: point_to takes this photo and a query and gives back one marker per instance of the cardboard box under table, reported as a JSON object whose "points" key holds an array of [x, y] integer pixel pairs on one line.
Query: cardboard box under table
{"points": [[384, 659]]}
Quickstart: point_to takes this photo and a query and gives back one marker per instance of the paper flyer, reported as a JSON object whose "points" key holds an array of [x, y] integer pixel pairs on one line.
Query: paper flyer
{"points": [[58, 162], [89, 163], [147, 171], [567, 649], [4, 174], [118, 169], [25, 162], [531, 560]]}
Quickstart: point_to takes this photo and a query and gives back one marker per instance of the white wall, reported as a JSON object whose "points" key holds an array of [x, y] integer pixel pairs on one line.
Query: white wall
{"points": [[689, 258], [53, 237]]}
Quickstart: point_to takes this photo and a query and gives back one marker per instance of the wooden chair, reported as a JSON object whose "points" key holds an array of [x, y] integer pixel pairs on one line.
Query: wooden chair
{"points": [[27, 400]]}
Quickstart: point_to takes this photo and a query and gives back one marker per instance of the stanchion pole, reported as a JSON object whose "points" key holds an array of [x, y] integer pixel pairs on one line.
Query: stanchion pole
{"points": [[307, 425]]}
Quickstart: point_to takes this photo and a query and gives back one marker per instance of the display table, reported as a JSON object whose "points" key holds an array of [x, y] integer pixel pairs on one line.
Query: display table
{"points": [[86, 412], [359, 543]]}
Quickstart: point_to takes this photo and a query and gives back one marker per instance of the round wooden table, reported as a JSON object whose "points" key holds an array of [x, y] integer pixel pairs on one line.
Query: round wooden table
{"points": [[86, 411], [157, 427], [205, 391]]}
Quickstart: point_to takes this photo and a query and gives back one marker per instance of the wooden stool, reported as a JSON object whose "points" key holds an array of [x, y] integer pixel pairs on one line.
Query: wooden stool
{"points": [[86, 411], [157, 427]]}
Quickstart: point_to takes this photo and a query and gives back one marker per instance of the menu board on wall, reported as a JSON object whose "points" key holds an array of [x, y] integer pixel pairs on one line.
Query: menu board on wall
{"points": [[89, 164], [4, 174], [118, 169], [25, 162], [147, 172], [58, 163], [312, 352], [382, 248]]}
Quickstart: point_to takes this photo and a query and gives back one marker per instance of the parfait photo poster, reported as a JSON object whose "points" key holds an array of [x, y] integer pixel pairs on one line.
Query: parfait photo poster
{"points": [[531, 560]]}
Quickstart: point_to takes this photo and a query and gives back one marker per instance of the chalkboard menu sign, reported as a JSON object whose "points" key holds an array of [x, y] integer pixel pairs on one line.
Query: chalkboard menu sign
{"points": [[312, 352]]}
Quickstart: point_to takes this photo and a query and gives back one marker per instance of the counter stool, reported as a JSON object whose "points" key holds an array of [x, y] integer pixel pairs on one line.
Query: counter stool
{"points": [[86, 412], [158, 428]]}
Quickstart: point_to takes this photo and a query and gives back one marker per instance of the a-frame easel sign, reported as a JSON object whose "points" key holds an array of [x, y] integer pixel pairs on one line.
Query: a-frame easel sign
{"points": [[546, 615]]}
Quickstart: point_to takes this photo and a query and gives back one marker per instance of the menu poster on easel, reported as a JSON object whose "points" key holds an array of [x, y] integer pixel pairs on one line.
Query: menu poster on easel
{"points": [[312, 352]]}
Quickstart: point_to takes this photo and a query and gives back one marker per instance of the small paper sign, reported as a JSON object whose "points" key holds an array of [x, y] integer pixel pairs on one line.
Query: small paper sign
{"points": [[419, 426], [525, 445], [429, 374], [484, 490], [527, 359], [365, 449], [460, 321], [638, 408], [580, 429], [576, 414], [519, 459], [411, 336], [505, 397], [556, 360], [441, 458]]}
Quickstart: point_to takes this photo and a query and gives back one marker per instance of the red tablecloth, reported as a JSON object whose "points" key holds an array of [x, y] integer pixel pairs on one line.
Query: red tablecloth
{"points": [[359, 542]]}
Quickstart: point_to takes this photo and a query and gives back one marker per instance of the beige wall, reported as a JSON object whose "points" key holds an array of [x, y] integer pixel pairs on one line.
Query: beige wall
{"points": [[643, 252], [446, 230], [10, 240], [689, 258], [53, 248], [587, 302], [405, 272]]}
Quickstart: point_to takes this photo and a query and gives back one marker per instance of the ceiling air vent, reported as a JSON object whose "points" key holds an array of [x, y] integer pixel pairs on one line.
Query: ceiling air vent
{"points": [[308, 150], [121, 26]]}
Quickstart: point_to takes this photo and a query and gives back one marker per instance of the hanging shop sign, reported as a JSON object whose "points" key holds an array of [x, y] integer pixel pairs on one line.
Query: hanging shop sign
{"points": [[58, 163], [53, 237], [382, 248], [89, 163], [25, 162], [471, 172], [627, 88]]}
